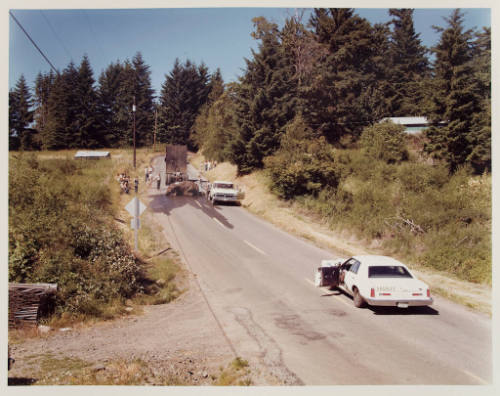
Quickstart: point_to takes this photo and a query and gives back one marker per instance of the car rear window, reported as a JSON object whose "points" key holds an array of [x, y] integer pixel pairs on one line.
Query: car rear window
{"points": [[223, 185], [388, 271]]}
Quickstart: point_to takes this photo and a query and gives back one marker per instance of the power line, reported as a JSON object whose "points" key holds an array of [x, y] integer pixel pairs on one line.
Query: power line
{"points": [[36, 46], [56, 35], [92, 32]]}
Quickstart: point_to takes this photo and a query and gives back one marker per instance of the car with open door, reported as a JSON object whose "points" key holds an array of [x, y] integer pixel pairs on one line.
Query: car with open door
{"points": [[375, 280]]}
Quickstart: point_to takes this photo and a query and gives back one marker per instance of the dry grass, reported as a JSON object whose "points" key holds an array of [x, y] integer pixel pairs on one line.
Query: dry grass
{"points": [[260, 201]]}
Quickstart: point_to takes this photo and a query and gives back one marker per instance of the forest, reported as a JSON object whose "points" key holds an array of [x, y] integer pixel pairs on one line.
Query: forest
{"points": [[336, 72]]}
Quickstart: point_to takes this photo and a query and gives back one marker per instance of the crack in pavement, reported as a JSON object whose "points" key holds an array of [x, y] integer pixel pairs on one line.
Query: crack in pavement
{"points": [[271, 354]]}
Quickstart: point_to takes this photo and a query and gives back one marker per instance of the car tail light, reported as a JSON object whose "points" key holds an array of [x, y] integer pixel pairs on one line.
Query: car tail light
{"points": [[428, 292], [385, 294], [372, 292], [416, 294]]}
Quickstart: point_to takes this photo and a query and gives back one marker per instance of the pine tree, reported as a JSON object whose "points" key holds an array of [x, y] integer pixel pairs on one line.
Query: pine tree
{"points": [[43, 87], [409, 65], [455, 99], [86, 117], [60, 129], [341, 99], [480, 134], [20, 116], [108, 91], [144, 96], [266, 98], [184, 92]]}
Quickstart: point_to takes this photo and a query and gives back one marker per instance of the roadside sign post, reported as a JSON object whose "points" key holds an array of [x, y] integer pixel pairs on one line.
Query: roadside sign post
{"points": [[136, 215], [135, 207]]}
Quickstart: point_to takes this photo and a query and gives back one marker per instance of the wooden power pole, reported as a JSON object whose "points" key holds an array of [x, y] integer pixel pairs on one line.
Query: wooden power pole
{"points": [[156, 126]]}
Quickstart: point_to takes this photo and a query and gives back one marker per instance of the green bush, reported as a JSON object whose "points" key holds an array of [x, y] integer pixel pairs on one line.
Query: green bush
{"points": [[303, 164], [59, 232], [385, 141]]}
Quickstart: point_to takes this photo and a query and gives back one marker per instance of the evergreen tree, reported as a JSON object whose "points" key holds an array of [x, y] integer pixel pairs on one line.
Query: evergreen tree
{"points": [[20, 116], [184, 92], [480, 134], [134, 85], [144, 96], [456, 99], [60, 128], [343, 93], [85, 123], [267, 99], [409, 65], [108, 107], [43, 87]]}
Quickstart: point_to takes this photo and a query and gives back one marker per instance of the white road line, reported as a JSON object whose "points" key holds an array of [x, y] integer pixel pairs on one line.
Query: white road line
{"points": [[218, 222], [255, 248], [197, 203], [482, 381], [310, 281], [337, 299]]}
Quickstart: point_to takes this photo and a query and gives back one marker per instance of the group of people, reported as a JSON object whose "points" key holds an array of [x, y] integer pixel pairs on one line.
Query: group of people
{"points": [[209, 165], [124, 181]]}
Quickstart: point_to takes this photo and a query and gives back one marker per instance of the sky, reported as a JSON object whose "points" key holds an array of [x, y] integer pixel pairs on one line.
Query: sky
{"points": [[219, 37]]}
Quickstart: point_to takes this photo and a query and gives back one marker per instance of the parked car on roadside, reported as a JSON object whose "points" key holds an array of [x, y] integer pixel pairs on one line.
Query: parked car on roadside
{"points": [[223, 191], [375, 280]]}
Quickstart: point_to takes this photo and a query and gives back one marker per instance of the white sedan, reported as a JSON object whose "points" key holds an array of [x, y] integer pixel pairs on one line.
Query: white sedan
{"points": [[376, 280]]}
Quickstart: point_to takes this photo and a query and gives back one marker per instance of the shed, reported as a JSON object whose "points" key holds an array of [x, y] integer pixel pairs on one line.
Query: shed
{"points": [[92, 154], [412, 125]]}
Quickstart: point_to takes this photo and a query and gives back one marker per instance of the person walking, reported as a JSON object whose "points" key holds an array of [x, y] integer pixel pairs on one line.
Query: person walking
{"points": [[146, 174], [158, 181]]}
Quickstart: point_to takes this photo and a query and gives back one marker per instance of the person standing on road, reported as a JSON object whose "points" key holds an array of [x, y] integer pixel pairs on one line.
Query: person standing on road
{"points": [[158, 181], [146, 174]]}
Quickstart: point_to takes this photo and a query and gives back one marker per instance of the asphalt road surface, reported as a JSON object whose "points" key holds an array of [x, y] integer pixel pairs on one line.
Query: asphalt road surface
{"points": [[258, 281]]}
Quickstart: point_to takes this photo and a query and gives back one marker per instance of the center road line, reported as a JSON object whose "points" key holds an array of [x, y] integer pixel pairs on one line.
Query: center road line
{"points": [[255, 248], [197, 203], [482, 381], [218, 222]]}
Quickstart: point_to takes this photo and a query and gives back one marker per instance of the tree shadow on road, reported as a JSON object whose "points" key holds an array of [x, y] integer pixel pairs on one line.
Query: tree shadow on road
{"points": [[160, 203]]}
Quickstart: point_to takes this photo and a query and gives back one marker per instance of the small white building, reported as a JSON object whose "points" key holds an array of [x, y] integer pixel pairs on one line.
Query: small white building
{"points": [[92, 154], [413, 125]]}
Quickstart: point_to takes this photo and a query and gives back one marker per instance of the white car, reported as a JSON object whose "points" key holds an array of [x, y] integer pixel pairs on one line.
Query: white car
{"points": [[375, 280], [222, 191]]}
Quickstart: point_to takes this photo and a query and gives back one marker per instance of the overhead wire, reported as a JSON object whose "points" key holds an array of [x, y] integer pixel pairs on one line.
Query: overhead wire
{"points": [[32, 42], [87, 18], [56, 35]]}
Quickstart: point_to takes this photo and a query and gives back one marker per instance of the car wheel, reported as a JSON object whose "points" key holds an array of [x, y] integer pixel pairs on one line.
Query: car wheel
{"points": [[358, 300]]}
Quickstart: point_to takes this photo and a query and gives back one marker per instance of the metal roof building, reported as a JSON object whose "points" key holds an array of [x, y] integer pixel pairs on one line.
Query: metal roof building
{"points": [[92, 154], [413, 124]]}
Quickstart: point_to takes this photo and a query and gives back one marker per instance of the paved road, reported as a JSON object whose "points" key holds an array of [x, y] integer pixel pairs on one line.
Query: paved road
{"points": [[258, 280]]}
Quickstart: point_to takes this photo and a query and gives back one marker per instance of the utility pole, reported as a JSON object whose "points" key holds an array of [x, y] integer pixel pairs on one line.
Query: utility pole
{"points": [[156, 125], [133, 111], [136, 213]]}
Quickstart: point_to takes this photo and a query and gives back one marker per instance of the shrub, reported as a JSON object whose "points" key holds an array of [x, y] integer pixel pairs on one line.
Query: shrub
{"points": [[59, 233], [385, 141], [303, 164]]}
